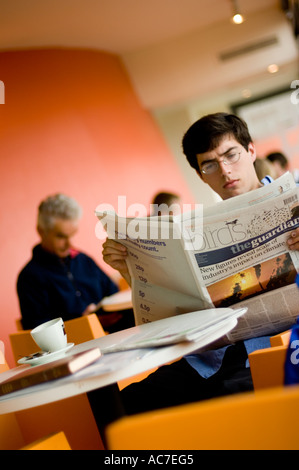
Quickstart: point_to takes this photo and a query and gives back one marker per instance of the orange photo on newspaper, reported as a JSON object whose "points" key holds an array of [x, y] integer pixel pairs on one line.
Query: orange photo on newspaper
{"points": [[264, 277]]}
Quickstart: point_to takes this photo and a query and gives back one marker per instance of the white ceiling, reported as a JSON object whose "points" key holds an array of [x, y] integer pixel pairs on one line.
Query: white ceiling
{"points": [[137, 30]]}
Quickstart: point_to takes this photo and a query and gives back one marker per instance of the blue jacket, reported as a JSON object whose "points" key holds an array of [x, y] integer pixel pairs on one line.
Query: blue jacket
{"points": [[50, 287]]}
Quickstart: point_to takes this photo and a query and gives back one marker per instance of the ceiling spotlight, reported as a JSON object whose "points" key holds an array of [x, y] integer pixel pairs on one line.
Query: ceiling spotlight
{"points": [[272, 68], [237, 18]]}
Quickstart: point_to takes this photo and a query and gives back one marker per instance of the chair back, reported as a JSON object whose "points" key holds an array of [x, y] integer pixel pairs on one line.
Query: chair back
{"points": [[19, 324], [83, 329], [264, 420], [281, 339], [267, 367], [22, 344], [56, 441]]}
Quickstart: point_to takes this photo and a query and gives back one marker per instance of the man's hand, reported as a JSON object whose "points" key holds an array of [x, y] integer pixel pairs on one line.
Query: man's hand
{"points": [[91, 308], [115, 255], [293, 241]]}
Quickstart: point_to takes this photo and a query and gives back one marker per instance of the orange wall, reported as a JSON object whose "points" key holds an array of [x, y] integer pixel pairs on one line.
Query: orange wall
{"points": [[71, 122]]}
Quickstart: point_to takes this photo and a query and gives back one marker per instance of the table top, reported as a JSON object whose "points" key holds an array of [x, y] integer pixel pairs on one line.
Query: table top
{"points": [[113, 367]]}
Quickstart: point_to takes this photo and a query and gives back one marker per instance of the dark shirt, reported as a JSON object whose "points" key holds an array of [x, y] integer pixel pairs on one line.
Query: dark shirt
{"points": [[49, 287]]}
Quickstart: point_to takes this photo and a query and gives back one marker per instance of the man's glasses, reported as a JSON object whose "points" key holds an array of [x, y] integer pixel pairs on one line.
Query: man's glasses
{"points": [[210, 167]]}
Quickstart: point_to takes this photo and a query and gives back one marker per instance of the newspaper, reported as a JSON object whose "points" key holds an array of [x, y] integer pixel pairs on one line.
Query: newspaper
{"points": [[232, 254]]}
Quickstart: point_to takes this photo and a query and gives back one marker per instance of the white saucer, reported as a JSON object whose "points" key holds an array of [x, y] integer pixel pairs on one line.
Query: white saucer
{"points": [[42, 357]]}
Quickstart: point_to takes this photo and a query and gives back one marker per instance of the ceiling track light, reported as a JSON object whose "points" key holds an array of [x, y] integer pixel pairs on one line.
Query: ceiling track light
{"points": [[237, 18]]}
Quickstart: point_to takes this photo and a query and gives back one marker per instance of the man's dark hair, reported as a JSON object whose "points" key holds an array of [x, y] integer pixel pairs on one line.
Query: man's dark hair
{"points": [[207, 133], [164, 198], [278, 157]]}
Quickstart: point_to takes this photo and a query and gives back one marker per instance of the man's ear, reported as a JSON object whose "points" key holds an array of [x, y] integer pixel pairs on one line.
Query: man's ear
{"points": [[40, 231], [252, 151]]}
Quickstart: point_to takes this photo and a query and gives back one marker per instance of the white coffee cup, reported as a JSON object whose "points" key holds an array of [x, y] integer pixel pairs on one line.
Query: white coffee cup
{"points": [[50, 336]]}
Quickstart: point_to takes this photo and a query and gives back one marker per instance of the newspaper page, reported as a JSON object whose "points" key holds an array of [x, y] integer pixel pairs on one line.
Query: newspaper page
{"points": [[245, 261], [163, 284], [281, 185], [242, 260]]}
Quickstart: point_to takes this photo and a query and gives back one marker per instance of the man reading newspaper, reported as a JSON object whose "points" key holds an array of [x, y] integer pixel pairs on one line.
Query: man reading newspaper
{"points": [[220, 149]]}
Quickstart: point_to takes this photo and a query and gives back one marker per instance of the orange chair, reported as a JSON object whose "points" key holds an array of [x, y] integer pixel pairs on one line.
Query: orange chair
{"points": [[267, 365], [73, 415], [56, 441], [264, 420], [122, 284], [19, 324], [282, 339], [12, 437]]}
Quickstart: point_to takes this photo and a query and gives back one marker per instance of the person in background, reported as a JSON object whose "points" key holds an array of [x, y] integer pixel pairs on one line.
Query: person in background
{"points": [[281, 165], [164, 201], [264, 169], [279, 161], [220, 149], [59, 280]]}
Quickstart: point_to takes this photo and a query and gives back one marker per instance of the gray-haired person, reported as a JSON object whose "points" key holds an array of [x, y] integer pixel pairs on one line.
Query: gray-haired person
{"points": [[59, 280]]}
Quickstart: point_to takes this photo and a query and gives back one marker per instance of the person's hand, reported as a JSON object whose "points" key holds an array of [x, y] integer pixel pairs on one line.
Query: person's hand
{"points": [[91, 308], [115, 255], [293, 240]]}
